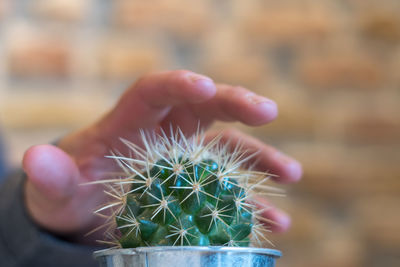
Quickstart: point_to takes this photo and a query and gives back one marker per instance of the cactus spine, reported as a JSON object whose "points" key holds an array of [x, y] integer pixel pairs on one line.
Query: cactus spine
{"points": [[185, 191]]}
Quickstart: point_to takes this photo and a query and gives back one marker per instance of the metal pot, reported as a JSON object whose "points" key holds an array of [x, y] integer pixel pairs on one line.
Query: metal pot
{"points": [[188, 256]]}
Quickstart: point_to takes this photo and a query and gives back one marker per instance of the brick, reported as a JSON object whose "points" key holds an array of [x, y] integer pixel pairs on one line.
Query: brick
{"points": [[239, 70], [33, 109], [381, 26], [308, 221], [168, 15], [373, 129], [288, 23], [295, 119], [229, 60], [19, 140], [316, 228], [340, 70], [38, 54], [378, 218], [342, 173], [125, 59], [396, 69], [62, 10]]}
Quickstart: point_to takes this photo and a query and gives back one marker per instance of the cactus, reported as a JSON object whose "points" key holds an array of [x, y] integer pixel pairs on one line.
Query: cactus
{"points": [[184, 191]]}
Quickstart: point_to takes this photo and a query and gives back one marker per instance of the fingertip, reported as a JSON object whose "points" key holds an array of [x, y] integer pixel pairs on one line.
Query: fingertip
{"points": [[288, 169], [50, 170], [282, 221], [271, 110], [295, 171], [276, 220], [248, 107], [31, 158], [204, 87], [291, 172], [264, 112]]}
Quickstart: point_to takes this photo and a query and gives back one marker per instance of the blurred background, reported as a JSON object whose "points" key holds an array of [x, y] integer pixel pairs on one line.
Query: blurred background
{"points": [[332, 66]]}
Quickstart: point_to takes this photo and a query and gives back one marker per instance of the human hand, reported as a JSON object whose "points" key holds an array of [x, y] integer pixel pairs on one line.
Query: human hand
{"points": [[53, 196]]}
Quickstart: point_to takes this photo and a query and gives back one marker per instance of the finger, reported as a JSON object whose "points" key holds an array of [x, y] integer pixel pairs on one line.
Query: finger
{"points": [[267, 159], [151, 98], [51, 171], [229, 104], [235, 103], [274, 219], [52, 182]]}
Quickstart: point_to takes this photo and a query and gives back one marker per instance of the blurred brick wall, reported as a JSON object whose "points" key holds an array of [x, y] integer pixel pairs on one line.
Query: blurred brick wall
{"points": [[332, 66]]}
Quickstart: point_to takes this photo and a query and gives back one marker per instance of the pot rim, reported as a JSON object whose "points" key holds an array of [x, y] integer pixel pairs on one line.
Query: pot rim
{"points": [[132, 251]]}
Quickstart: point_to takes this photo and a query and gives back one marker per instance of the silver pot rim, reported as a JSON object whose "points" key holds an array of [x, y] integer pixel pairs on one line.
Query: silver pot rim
{"points": [[131, 251]]}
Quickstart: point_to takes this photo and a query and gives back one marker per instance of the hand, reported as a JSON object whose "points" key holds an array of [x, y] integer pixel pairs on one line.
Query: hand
{"points": [[54, 197]]}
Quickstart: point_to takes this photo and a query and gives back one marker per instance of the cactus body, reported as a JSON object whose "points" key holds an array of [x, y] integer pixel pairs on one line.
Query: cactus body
{"points": [[179, 191]]}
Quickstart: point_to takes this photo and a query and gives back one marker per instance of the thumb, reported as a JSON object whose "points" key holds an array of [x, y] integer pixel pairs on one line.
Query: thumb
{"points": [[51, 171], [51, 184]]}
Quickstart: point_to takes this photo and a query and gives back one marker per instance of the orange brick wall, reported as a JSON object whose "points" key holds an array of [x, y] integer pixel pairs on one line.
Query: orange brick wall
{"points": [[332, 66]]}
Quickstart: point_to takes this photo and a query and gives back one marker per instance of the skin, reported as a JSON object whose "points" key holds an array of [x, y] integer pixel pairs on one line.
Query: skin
{"points": [[57, 202]]}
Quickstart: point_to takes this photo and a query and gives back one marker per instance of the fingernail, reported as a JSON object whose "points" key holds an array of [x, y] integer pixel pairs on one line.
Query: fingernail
{"points": [[204, 88], [283, 220], [203, 83], [196, 78], [293, 167], [295, 170], [283, 157], [256, 99]]}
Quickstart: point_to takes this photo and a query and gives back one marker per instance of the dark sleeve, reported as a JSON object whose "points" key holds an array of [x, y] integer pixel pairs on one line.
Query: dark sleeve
{"points": [[2, 160], [22, 243]]}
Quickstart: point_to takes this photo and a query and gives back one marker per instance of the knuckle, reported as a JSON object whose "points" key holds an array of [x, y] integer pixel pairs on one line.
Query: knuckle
{"points": [[181, 73], [239, 91]]}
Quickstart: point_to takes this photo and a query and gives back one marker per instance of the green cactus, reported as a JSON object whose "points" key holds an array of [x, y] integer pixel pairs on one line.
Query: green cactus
{"points": [[186, 192]]}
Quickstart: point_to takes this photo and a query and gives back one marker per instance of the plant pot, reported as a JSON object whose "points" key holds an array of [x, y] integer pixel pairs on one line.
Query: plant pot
{"points": [[188, 256]]}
